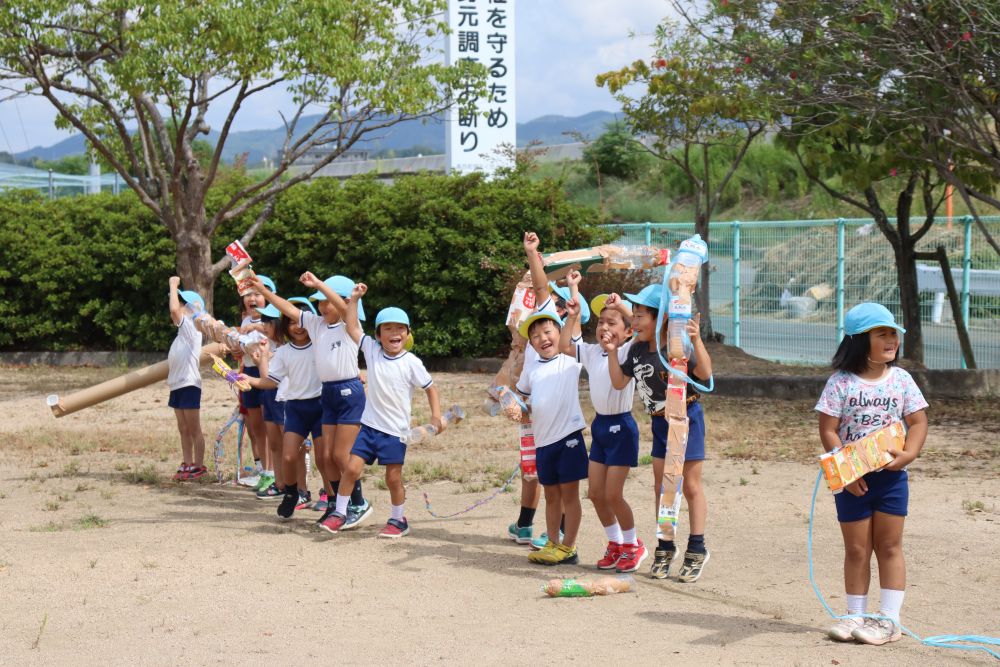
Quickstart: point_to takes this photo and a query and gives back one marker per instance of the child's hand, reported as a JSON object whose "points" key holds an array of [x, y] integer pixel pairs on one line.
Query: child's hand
{"points": [[530, 242], [573, 308], [439, 424], [899, 459], [858, 488], [174, 282], [573, 278], [360, 289], [614, 301], [310, 280], [609, 343], [693, 328], [258, 286]]}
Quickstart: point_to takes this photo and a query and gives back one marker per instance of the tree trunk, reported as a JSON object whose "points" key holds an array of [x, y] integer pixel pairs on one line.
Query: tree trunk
{"points": [[703, 294], [194, 260], [909, 301]]}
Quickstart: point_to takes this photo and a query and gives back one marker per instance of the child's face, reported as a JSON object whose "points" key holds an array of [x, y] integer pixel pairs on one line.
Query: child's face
{"points": [[328, 312], [392, 336], [611, 325], [251, 301], [883, 344], [644, 323], [544, 337], [298, 335]]}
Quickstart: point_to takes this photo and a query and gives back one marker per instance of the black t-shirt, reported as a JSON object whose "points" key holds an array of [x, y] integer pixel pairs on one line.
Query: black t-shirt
{"points": [[651, 376]]}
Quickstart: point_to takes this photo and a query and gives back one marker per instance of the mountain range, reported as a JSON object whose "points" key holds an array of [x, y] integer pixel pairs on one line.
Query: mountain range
{"points": [[427, 136]]}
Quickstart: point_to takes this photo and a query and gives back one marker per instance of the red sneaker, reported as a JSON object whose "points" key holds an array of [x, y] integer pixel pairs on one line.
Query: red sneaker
{"points": [[182, 472], [194, 472], [333, 523], [611, 556], [632, 557], [395, 528]]}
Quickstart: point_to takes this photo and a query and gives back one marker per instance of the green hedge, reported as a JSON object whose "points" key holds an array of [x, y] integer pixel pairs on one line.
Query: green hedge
{"points": [[91, 272]]}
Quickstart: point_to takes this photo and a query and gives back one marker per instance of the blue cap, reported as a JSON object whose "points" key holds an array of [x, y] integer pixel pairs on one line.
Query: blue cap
{"points": [[564, 293], [270, 311], [648, 296], [867, 316], [534, 317], [191, 297], [304, 301], [393, 315], [343, 286], [268, 283]]}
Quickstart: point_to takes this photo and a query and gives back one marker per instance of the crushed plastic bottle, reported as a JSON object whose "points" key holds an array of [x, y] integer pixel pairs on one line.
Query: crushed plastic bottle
{"points": [[418, 434]]}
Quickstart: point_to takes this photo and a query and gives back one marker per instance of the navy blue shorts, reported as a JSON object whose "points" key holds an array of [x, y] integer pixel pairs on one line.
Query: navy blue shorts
{"points": [[304, 416], [696, 435], [251, 397], [563, 461], [888, 492], [343, 401], [274, 411], [615, 440], [185, 398], [372, 444]]}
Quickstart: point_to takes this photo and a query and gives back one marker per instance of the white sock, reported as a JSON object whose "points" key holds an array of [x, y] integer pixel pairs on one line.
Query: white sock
{"points": [[629, 536], [890, 602], [614, 533], [857, 604], [397, 512], [342, 504]]}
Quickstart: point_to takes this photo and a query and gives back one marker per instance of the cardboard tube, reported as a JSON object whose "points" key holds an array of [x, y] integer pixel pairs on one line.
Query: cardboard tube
{"points": [[137, 379]]}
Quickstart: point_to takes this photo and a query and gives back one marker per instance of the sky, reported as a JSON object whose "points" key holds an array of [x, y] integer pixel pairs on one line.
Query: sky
{"points": [[561, 45]]}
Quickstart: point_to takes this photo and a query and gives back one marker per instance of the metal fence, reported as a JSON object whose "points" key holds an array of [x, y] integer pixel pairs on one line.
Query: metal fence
{"points": [[54, 184], [779, 289]]}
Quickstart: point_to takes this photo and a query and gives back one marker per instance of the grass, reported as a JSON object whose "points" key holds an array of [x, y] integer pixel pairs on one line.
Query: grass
{"points": [[71, 469], [89, 521], [973, 506], [142, 474], [51, 506]]}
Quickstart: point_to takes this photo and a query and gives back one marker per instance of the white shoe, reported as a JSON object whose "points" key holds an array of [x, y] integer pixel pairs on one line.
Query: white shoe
{"points": [[878, 631], [844, 627], [251, 481]]}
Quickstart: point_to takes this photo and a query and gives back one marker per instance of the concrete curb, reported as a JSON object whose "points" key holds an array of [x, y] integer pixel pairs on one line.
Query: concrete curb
{"points": [[948, 383]]}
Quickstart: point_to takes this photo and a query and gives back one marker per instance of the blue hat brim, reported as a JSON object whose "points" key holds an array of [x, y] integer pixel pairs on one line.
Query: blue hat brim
{"points": [[190, 296], [304, 301]]}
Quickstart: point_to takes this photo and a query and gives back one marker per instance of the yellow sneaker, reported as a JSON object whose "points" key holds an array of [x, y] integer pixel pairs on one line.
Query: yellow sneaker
{"points": [[555, 554]]}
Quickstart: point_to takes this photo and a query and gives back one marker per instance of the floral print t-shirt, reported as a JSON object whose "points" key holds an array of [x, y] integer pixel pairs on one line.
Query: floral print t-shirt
{"points": [[865, 406]]}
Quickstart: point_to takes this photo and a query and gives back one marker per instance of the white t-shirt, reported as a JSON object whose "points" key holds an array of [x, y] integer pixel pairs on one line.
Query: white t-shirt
{"points": [[865, 406], [530, 356], [391, 381], [184, 369], [294, 369], [553, 387], [248, 361], [335, 351], [606, 399]]}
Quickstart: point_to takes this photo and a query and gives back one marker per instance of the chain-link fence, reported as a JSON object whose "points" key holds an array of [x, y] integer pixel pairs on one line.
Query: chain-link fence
{"points": [[779, 289]]}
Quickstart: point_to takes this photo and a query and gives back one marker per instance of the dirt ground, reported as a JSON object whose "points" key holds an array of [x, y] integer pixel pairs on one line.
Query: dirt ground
{"points": [[104, 560]]}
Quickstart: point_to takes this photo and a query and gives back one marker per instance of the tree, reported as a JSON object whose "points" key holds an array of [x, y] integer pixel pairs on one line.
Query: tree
{"points": [[854, 118], [693, 100], [137, 79]]}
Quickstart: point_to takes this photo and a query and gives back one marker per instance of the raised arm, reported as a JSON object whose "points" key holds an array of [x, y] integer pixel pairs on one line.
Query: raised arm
{"points": [[573, 279], [566, 345], [176, 309], [351, 319], [618, 378], [310, 280], [539, 281], [287, 308]]}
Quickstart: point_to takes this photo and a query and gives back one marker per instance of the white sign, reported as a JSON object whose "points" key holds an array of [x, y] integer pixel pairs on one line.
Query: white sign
{"points": [[482, 31]]}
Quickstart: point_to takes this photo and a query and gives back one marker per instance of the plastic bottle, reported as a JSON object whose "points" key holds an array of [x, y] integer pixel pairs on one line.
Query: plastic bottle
{"points": [[682, 281], [573, 588], [418, 434], [529, 467], [637, 257]]}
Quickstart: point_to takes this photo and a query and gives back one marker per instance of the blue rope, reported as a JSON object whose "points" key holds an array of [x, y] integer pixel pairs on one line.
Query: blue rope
{"points": [[937, 641]]}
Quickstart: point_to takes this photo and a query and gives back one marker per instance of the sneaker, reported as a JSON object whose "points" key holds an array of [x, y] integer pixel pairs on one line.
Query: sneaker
{"points": [[844, 627], [631, 558], [271, 493], [520, 534], [194, 472], [265, 481], [250, 480], [395, 528], [611, 555], [555, 554], [877, 631], [182, 472], [322, 504], [304, 500], [662, 558], [287, 507], [543, 539], [692, 566], [333, 522], [358, 514]]}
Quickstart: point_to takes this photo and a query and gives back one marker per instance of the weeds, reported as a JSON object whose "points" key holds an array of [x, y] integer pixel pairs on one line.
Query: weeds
{"points": [[41, 629], [143, 475], [973, 506], [51, 506], [90, 521], [82, 486], [71, 469], [646, 459]]}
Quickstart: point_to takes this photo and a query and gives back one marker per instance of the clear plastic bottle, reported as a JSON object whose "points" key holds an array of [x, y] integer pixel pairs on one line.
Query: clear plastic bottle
{"points": [[682, 281], [418, 434], [637, 257]]}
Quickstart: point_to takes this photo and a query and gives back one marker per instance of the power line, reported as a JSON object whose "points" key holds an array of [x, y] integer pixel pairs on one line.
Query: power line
{"points": [[27, 144]]}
